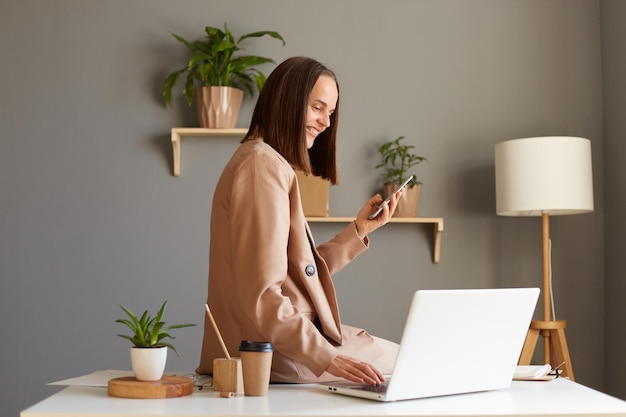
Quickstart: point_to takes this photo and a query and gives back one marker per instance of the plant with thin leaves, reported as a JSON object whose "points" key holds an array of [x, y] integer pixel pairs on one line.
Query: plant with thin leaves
{"points": [[398, 158], [213, 63], [147, 331]]}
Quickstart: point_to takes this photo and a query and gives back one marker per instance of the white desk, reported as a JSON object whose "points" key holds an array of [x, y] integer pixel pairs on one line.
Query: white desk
{"points": [[558, 397]]}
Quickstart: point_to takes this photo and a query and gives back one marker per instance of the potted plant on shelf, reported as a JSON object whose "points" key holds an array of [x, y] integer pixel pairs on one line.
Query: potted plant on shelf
{"points": [[148, 354], [221, 75], [397, 159]]}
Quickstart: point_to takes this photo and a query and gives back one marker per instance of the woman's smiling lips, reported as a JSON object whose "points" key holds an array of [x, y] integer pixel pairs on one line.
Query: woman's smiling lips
{"points": [[314, 132]]}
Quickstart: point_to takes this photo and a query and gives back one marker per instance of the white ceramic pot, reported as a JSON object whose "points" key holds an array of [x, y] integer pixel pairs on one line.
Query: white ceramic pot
{"points": [[148, 363]]}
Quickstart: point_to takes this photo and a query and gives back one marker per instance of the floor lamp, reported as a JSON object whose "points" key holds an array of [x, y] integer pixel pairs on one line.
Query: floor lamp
{"points": [[545, 176]]}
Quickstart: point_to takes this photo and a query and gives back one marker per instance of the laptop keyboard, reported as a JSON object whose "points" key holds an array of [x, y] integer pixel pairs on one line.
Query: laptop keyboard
{"points": [[381, 389]]}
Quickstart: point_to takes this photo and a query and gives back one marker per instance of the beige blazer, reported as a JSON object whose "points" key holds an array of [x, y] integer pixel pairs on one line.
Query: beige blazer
{"points": [[267, 279]]}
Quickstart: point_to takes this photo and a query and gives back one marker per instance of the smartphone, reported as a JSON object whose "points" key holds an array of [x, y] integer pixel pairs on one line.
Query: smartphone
{"points": [[380, 206]]}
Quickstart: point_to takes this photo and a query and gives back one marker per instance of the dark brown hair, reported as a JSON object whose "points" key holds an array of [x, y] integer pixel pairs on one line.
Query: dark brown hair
{"points": [[279, 118]]}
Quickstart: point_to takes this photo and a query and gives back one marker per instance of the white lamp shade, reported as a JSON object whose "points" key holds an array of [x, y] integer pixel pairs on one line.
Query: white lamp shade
{"points": [[543, 175]]}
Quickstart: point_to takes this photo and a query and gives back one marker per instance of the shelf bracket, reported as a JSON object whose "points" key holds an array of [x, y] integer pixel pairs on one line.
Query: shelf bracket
{"points": [[179, 132], [176, 152], [437, 233]]}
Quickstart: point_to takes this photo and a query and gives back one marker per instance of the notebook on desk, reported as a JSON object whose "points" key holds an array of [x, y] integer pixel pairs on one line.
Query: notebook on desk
{"points": [[454, 341]]}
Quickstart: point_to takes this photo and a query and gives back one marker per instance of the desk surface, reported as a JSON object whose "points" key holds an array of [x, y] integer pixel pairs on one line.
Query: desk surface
{"points": [[558, 397]]}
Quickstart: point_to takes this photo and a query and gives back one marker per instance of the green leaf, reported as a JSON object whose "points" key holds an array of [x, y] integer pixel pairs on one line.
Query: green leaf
{"points": [[161, 311], [144, 319], [179, 326], [164, 335], [259, 80], [215, 33], [169, 346], [132, 340], [130, 314], [239, 64], [273, 34], [130, 324], [184, 41], [169, 84], [188, 91]]}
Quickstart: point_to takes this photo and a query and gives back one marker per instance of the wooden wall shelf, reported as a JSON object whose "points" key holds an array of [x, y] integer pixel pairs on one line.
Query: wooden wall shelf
{"points": [[437, 223], [179, 132]]}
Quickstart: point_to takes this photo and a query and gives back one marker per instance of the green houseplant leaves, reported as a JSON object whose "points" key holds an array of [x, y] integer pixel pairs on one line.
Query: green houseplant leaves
{"points": [[213, 63], [149, 331], [398, 158]]}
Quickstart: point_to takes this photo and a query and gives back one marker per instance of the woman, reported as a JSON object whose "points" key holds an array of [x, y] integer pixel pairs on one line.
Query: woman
{"points": [[267, 279]]}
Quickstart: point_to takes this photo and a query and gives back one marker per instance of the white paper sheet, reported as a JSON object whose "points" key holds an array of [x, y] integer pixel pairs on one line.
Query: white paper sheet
{"points": [[95, 379]]}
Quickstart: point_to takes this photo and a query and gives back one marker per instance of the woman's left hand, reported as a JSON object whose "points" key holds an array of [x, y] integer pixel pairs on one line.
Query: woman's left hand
{"points": [[364, 225]]}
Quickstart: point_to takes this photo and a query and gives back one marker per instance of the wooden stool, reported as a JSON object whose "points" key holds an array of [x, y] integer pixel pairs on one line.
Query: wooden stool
{"points": [[555, 349]]}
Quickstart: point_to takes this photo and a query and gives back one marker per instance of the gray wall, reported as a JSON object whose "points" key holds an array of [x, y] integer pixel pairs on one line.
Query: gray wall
{"points": [[91, 216], [614, 102]]}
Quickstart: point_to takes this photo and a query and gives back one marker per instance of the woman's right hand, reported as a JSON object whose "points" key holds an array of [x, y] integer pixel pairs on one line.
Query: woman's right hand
{"points": [[355, 370], [365, 225]]}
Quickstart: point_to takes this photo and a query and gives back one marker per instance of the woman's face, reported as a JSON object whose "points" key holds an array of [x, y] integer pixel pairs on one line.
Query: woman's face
{"points": [[322, 103]]}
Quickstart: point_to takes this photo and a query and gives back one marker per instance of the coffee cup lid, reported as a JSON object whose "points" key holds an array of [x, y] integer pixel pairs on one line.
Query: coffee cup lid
{"points": [[250, 346]]}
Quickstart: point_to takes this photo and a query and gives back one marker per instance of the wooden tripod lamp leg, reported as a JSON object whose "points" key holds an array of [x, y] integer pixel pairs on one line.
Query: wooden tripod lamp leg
{"points": [[530, 343], [555, 349], [561, 352]]}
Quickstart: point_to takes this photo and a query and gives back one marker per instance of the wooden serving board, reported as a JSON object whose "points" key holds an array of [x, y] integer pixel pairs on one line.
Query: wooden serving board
{"points": [[168, 386]]}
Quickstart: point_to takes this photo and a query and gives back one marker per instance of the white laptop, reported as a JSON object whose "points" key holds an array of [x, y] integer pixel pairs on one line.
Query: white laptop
{"points": [[454, 341]]}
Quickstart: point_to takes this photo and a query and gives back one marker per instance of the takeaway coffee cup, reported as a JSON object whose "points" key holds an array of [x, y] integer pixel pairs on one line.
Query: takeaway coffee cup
{"points": [[256, 364]]}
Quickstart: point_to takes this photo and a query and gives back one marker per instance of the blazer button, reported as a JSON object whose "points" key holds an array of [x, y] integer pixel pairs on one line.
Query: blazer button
{"points": [[310, 270]]}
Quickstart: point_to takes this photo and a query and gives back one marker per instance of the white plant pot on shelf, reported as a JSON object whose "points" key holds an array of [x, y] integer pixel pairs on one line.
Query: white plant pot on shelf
{"points": [[148, 363]]}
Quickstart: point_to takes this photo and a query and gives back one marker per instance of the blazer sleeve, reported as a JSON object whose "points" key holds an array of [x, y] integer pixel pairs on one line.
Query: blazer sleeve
{"points": [[260, 225], [342, 249]]}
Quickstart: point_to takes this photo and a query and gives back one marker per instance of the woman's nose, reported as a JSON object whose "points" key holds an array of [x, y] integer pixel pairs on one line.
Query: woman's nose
{"points": [[325, 119]]}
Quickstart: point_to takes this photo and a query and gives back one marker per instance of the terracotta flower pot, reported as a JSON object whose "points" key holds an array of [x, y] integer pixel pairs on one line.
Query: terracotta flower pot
{"points": [[218, 107]]}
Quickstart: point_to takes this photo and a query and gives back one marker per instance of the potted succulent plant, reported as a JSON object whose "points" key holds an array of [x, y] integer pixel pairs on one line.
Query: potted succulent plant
{"points": [[148, 354], [397, 159], [220, 74]]}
